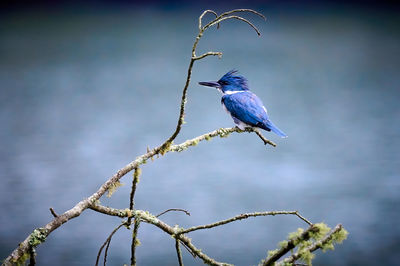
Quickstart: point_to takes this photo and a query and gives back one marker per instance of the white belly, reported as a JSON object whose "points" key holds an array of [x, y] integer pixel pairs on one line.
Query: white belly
{"points": [[239, 123]]}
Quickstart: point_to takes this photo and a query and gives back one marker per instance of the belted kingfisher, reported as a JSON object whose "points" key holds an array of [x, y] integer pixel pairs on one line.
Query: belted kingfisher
{"points": [[245, 107]]}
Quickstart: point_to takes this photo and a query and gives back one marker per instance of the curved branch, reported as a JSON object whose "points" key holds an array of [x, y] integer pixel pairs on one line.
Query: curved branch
{"points": [[175, 209], [233, 17], [240, 217], [243, 10], [203, 14], [107, 243]]}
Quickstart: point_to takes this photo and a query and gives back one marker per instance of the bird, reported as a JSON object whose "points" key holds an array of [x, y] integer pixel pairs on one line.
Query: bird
{"points": [[246, 109]]}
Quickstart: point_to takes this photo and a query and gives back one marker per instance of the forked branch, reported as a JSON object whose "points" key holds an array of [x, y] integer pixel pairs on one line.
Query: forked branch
{"points": [[38, 236]]}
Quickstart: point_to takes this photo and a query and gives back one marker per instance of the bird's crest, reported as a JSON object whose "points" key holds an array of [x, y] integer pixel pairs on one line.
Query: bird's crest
{"points": [[232, 79]]}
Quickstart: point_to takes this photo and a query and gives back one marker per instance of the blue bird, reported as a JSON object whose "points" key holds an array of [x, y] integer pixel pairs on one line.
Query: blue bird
{"points": [[245, 107]]}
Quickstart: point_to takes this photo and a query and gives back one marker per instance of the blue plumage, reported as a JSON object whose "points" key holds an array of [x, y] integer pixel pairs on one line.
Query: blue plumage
{"points": [[245, 107]]}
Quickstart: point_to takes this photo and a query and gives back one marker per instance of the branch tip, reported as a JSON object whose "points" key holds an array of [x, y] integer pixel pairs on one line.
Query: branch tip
{"points": [[53, 213]]}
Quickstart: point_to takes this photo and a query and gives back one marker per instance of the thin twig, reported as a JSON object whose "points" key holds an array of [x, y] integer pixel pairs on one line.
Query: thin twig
{"points": [[53, 213], [189, 250], [234, 17], [237, 218], [135, 181], [266, 141], [303, 218], [219, 54], [106, 252], [203, 14], [243, 10], [106, 242], [135, 241], [178, 252], [180, 210]]}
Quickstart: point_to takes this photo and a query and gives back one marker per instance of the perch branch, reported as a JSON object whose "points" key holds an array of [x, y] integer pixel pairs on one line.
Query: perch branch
{"points": [[222, 132]]}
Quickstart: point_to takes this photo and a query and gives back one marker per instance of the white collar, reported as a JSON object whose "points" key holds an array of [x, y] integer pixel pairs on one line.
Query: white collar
{"points": [[232, 92]]}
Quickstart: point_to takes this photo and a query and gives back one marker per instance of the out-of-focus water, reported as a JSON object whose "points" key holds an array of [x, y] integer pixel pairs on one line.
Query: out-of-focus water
{"points": [[82, 94]]}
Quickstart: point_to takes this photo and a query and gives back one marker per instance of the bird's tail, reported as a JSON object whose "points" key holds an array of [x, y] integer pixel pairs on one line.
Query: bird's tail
{"points": [[275, 129]]}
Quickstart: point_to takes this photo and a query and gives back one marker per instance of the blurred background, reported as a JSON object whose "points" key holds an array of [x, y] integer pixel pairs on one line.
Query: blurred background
{"points": [[87, 87]]}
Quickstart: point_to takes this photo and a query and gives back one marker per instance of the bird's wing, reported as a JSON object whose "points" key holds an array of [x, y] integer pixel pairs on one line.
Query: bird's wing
{"points": [[246, 107]]}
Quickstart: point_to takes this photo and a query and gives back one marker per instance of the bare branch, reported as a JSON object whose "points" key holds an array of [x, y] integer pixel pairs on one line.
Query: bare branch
{"points": [[237, 218], [219, 54], [233, 17], [135, 181], [135, 241], [108, 240], [181, 210], [112, 211], [243, 10], [203, 14], [266, 141], [178, 252], [53, 213]]}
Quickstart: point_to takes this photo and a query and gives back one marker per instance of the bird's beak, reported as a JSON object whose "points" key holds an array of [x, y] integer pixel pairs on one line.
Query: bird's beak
{"points": [[210, 84]]}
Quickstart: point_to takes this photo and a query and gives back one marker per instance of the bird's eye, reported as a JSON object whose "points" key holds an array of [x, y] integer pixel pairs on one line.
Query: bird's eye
{"points": [[223, 83]]}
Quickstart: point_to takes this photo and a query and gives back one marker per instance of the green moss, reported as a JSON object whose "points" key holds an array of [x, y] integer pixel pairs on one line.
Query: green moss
{"points": [[272, 252], [22, 259], [295, 236], [207, 137], [340, 236], [306, 256], [165, 148], [38, 236], [223, 133], [136, 174], [137, 242], [323, 229], [113, 188], [283, 244]]}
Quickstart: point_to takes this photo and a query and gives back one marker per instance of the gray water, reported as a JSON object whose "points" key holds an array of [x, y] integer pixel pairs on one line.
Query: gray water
{"points": [[84, 93]]}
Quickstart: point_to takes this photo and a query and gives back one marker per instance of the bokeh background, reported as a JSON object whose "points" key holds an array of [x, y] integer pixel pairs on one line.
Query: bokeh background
{"points": [[88, 86]]}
